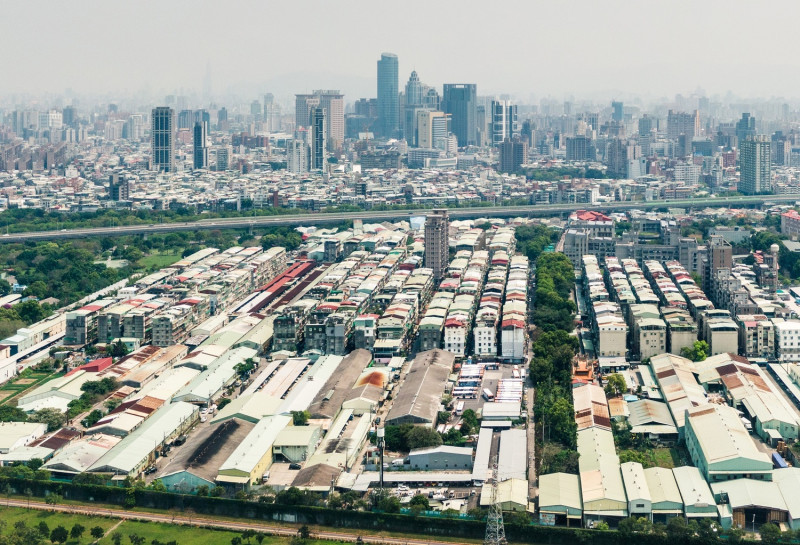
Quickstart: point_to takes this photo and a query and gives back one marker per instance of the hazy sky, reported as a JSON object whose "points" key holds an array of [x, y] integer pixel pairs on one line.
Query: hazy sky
{"points": [[530, 49]]}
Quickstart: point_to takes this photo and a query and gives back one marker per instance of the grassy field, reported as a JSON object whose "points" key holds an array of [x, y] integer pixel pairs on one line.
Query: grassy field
{"points": [[657, 457], [184, 535], [19, 385], [158, 261]]}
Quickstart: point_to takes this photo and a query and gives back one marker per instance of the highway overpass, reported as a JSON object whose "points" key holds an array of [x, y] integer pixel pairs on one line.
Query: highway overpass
{"points": [[246, 222]]}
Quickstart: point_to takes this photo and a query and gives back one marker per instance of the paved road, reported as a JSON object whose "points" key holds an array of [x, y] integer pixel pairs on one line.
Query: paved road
{"points": [[323, 218], [286, 531]]}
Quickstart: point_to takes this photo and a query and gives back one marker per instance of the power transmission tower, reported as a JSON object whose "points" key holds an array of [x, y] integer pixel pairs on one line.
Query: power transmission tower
{"points": [[495, 530]]}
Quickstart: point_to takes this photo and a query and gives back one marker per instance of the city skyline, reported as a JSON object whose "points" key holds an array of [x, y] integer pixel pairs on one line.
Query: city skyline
{"points": [[551, 59]]}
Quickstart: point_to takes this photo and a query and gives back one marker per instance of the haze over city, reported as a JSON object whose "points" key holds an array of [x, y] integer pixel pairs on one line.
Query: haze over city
{"points": [[423, 272], [583, 49]]}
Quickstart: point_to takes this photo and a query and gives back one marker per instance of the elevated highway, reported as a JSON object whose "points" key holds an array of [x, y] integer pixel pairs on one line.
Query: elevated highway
{"points": [[246, 222]]}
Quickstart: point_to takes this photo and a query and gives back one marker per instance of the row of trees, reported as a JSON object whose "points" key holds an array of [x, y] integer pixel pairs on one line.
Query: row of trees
{"points": [[554, 349], [22, 534]]}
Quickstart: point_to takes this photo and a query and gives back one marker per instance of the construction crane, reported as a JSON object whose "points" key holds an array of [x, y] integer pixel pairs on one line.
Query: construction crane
{"points": [[495, 529]]}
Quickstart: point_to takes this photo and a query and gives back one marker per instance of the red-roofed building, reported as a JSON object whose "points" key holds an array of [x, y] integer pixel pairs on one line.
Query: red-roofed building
{"points": [[94, 366], [598, 224]]}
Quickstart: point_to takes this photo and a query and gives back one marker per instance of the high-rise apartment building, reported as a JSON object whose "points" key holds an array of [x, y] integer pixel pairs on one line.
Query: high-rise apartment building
{"points": [[578, 148], [679, 123], [645, 133], [745, 127], [200, 145], [513, 154], [460, 100], [185, 119], [431, 129], [297, 155], [318, 138], [755, 166], [162, 139], [388, 96], [272, 113], [118, 187], [503, 123], [333, 104], [437, 226], [302, 109], [224, 155]]}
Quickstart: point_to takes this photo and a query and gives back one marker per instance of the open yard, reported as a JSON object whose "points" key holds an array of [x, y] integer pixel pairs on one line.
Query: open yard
{"points": [[157, 261], [657, 457], [30, 380], [183, 535]]}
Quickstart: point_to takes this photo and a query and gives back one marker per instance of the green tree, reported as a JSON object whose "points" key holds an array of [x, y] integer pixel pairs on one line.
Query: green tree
{"points": [[443, 417], [119, 349], [77, 531], [136, 539], [770, 533], [677, 530], [300, 418], [44, 529], [5, 287], [420, 500], [50, 416], [389, 504], [616, 385], [697, 352], [12, 414], [304, 532], [92, 418], [422, 436], [31, 311], [116, 538], [97, 532], [59, 534]]}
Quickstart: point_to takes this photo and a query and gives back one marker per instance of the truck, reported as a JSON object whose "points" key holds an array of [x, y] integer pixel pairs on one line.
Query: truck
{"points": [[459, 408], [488, 395], [778, 462]]}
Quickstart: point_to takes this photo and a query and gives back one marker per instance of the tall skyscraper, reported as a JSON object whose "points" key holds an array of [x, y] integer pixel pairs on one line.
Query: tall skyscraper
{"points": [[460, 101], [617, 112], [185, 119], [200, 145], [302, 109], [755, 166], [318, 138], [388, 96], [272, 113], [162, 139], [333, 104], [645, 130], [418, 96], [503, 122], [437, 226], [222, 119]]}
